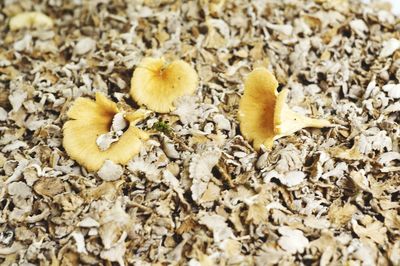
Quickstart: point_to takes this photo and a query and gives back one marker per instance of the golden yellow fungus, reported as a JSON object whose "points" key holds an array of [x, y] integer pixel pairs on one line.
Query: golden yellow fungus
{"points": [[263, 114], [93, 119], [157, 84]]}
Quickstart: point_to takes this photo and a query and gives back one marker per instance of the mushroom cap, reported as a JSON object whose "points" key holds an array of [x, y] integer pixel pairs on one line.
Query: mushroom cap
{"points": [[89, 119], [157, 84], [256, 108], [30, 19]]}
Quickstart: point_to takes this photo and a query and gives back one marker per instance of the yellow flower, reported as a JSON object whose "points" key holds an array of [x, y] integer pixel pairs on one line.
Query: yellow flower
{"points": [[92, 119], [157, 84], [263, 114]]}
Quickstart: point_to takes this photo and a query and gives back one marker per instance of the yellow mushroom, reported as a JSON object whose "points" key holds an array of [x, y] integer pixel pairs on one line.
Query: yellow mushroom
{"points": [[263, 114], [30, 20], [157, 84], [92, 119]]}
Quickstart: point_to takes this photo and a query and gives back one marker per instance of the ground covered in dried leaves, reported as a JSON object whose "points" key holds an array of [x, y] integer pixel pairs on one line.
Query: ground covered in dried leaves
{"points": [[198, 193]]}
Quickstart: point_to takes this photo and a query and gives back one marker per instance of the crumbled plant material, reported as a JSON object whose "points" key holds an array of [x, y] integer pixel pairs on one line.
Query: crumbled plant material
{"points": [[197, 192]]}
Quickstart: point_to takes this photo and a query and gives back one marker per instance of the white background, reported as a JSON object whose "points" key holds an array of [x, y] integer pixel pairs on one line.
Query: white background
{"points": [[395, 5]]}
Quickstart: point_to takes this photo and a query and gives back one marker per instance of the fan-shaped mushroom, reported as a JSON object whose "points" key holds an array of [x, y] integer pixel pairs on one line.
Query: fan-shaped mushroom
{"points": [[263, 114], [90, 122], [157, 84]]}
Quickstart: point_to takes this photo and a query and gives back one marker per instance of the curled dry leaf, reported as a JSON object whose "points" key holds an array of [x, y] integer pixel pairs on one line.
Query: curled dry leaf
{"points": [[214, 6], [341, 215], [292, 240], [68, 201], [222, 122], [371, 229], [80, 242], [388, 157], [257, 212], [359, 26], [110, 171], [19, 189], [216, 223], [200, 171], [115, 253], [139, 166], [211, 193], [186, 109], [84, 45], [3, 114], [88, 222], [17, 98], [393, 90], [49, 186], [157, 84], [389, 47], [347, 154], [107, 190], [293, 178], [284, 29]]}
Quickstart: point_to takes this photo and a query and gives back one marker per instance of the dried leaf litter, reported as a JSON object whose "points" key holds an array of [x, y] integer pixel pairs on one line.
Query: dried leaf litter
{"points": [[197, 192]]}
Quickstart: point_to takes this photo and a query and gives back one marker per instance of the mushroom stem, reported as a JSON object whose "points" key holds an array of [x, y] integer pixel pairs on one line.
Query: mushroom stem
{"points": [[137, 115], [288, 122], [294, 122]]}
